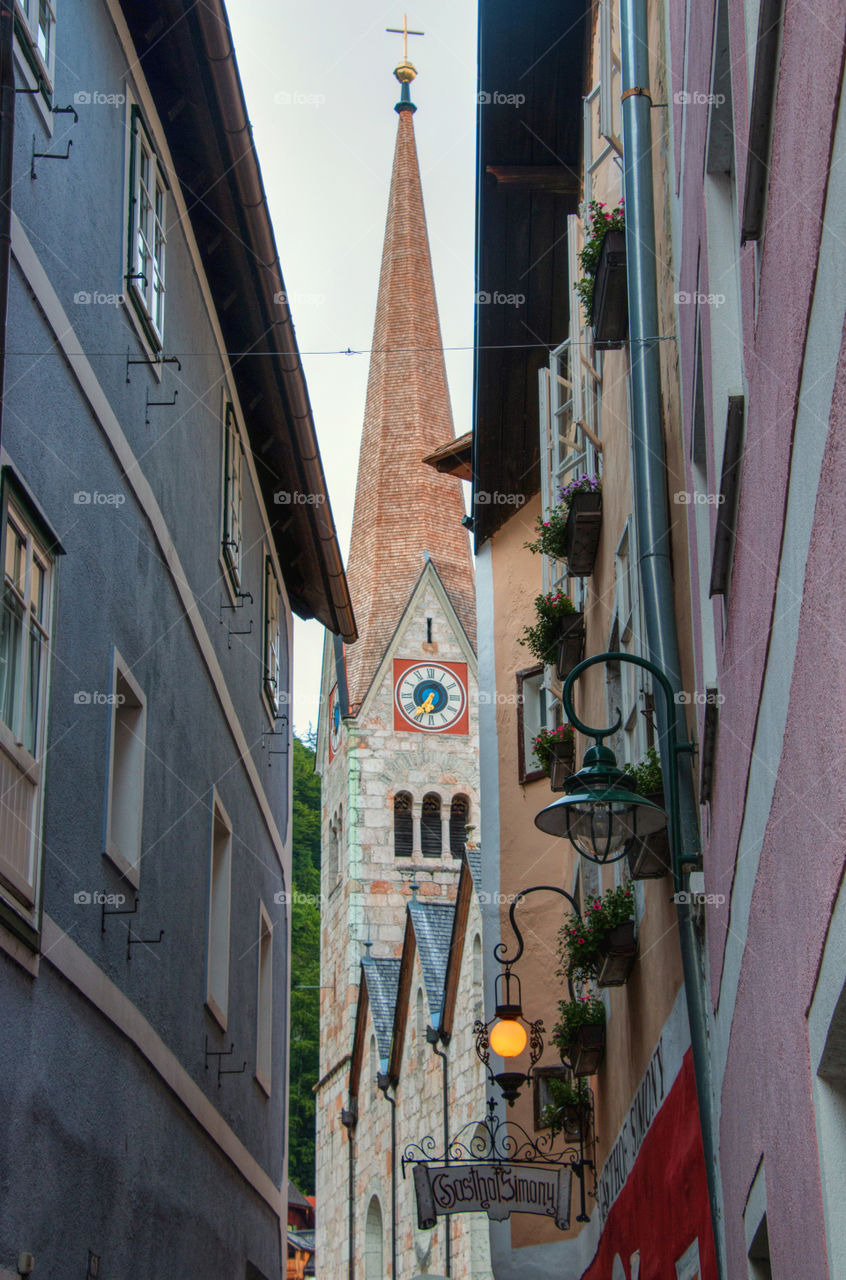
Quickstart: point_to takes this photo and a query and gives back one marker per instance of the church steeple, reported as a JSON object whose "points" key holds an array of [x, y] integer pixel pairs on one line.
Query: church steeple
{"points": [[403, 508]]}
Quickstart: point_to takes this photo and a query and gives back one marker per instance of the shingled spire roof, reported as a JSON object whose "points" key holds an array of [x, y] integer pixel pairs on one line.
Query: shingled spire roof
{"points": [[404, 508]]}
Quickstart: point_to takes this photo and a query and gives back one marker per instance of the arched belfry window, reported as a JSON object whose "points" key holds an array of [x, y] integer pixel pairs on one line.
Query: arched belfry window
{"points": [[403, 826], [430, 827], [373, 1242], [458, 814]]}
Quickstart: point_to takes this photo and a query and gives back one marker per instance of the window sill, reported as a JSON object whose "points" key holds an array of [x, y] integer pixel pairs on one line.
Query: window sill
{"points": [[136, 309], [130, 871], [25, 955], [216, 1012], [20, 757], [226, 574], [35, 76]]}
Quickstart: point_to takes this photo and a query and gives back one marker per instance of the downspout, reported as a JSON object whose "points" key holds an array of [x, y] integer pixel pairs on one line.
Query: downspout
{"points": [[7, 146], [433, 1037], [384, 1082], [349, 1119], [653, 537]]}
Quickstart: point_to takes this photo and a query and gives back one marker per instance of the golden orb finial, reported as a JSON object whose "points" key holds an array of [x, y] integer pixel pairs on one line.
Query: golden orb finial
{"points": [[405, 72]]}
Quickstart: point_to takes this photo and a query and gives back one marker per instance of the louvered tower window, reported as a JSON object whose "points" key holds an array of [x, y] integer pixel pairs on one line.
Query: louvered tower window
{"points": [[458, 814], [403, 828], [430, 827]]}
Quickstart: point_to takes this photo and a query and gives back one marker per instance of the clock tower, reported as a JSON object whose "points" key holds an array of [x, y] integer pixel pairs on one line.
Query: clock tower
{"points": [[397, 742]]}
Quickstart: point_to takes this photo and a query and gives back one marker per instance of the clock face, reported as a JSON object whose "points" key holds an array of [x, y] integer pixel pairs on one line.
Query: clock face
{"points": [[334, 722], [430, 697]]}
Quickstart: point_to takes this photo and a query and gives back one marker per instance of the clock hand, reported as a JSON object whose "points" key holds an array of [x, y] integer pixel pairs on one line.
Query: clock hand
{"points": [[425, 707]]}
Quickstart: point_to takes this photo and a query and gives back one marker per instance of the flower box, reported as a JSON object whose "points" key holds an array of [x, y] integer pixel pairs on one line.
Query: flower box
{"points": [[571, 645], [649, 858], [562, 760], [587, 1049], [581, 533], [610, 309], [619, 952]]}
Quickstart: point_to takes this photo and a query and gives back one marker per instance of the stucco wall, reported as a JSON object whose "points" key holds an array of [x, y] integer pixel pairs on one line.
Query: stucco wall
{"points": [[107, 1139]]}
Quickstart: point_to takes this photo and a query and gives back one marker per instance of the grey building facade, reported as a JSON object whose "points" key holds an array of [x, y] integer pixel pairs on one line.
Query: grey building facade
{"points": [[164, 513]]}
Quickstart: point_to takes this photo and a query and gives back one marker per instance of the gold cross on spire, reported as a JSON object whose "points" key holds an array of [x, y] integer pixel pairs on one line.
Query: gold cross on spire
{"points": [[405, 33]]}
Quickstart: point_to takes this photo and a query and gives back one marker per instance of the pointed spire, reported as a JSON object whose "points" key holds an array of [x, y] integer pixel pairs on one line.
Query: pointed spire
{"points": [[404, 508]]}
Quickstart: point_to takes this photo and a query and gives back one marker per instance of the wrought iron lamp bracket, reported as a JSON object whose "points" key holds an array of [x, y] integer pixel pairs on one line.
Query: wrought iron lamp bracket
{"points": [[677, 742]]}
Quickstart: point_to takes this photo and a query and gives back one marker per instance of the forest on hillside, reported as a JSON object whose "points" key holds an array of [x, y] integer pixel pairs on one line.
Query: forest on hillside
{"points": [[305, 965]]}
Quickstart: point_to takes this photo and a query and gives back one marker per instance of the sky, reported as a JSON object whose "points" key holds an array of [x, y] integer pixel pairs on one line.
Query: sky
{"points": [[320, 93]]}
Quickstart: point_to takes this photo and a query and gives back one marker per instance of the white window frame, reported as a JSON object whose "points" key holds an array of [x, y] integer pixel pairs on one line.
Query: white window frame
{"points": [[219, 915], [264, 1002], [232, 505], [127, 860], [534, 716], [272, 615], [41, 61], [21, 759], [146, 286], [569, 398], [609, 66]]}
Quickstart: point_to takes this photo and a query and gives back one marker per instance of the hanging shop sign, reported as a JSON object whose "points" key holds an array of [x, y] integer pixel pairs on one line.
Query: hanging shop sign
{"points": [[497, 1189]]}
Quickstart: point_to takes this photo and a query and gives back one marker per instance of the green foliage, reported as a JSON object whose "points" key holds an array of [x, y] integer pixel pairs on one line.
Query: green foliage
{"points": [[599, 223], [542, 639], [305, 965], [584, 1011], [580, 939], [563, 1093], [545, 744], [646, 774], [549, 539]]}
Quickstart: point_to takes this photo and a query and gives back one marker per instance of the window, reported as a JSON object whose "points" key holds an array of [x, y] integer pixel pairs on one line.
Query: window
{"points": [[430, 827], [147, 240], [478, 1002], [373, 1267], [374, 1068], [333, 851], [761, 113], [37, 24], [458, 814], [420, 1013], [531, 718], [125, 797], [403, 826], [233, 502], [272, 659], [264, 1003], [25, 621], [220, 878]]}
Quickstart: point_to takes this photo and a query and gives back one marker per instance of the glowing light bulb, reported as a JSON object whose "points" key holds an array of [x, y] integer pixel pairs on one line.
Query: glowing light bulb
{"points": [[508, 1038]]}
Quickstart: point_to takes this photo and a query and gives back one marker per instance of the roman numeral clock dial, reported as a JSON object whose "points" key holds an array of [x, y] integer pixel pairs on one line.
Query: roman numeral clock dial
{"points": [[430, 697]]}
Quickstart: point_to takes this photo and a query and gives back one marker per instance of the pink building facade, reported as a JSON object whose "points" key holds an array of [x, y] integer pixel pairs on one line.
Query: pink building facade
{"points": [[757, 130]]}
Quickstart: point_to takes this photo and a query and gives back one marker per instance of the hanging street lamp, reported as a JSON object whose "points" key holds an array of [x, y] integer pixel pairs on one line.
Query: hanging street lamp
{"points": [[509, 1031], [601, 813]]}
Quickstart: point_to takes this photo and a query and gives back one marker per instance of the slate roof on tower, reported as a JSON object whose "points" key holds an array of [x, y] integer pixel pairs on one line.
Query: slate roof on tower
{"points": [[382, 974], [404, 508], [433, 923]]}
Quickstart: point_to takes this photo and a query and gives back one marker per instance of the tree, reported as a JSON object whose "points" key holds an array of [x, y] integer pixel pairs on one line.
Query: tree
{"points": [[305, 965]]}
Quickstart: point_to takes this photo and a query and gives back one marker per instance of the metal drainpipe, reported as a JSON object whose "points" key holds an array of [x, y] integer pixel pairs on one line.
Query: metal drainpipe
{"points": [[349, 1119], [653, 530], [384, 1082], [433, 1037], [7, 147]]}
